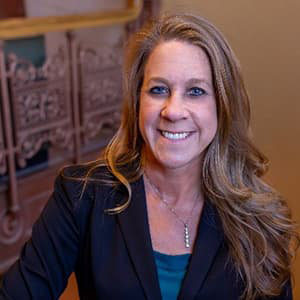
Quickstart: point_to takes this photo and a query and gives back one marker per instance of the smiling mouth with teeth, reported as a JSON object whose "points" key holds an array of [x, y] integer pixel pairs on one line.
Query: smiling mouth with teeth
{"points": [[175, 135]]}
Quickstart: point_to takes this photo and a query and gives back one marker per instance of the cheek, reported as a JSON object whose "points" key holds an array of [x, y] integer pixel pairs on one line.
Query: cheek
{"points": [[207, 117], [147, 114], [212, 116]]}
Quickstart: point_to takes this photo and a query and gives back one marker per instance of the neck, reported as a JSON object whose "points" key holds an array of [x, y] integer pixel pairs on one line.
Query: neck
{"points": [[175, 186]]}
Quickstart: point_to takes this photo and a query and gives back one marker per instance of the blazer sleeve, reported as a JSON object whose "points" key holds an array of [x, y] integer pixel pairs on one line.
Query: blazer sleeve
{"points": [[49, 257]]}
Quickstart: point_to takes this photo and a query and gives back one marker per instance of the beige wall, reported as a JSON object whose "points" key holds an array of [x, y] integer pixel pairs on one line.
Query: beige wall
{"points": [[266, 37]]}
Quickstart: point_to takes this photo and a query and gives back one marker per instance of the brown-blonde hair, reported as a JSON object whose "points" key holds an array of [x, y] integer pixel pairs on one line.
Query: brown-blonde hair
{"points": [[256, 220]]}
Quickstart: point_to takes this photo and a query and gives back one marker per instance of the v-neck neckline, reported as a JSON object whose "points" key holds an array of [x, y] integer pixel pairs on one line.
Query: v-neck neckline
{"points": [[134, 225]]}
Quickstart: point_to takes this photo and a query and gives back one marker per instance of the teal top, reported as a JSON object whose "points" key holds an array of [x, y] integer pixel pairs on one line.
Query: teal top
{"points": [[171, 270]]}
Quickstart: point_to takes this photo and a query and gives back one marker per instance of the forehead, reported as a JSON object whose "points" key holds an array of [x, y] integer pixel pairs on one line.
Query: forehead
{"points": [[177, 61]]}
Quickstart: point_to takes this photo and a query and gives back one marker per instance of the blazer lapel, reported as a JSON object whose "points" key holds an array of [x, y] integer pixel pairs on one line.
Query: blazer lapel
{"points": [[135, 228], [209, 239]]}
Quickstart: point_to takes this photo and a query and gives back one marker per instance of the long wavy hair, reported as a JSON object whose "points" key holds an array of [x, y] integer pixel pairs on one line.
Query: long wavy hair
{"points": [[259, 231]]}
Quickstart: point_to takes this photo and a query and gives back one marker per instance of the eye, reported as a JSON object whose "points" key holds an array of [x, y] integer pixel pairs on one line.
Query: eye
{"points": [[159, 90], [196, 91]]}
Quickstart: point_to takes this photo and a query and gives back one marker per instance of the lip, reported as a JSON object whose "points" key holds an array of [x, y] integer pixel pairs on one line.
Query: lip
{"points": [[186, 134]]}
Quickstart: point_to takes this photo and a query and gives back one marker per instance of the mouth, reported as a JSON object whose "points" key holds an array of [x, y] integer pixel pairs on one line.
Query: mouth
{"points": [[175, 136]]}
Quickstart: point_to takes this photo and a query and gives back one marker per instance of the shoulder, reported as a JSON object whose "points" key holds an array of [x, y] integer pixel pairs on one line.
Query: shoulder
{"points": [[90, 173], [78, 184], [90, 170], [78, 194]]}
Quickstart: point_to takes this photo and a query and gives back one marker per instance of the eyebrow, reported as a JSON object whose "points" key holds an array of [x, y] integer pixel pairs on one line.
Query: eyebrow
{"points": [[190, 81]]}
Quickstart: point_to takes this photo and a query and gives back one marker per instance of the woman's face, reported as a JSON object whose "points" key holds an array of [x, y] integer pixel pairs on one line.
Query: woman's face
{"points": [[178, 114]]}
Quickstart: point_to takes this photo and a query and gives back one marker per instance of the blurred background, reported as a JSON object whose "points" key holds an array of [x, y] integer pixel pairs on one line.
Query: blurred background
{"points": [[61, 93]]}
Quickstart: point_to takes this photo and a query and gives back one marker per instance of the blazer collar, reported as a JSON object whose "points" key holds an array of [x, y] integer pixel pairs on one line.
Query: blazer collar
{"points": [[209, 239], [135, 228]]}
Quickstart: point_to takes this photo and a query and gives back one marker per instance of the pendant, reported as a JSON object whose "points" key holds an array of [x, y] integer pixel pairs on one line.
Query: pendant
{"points": [[186, 236]]}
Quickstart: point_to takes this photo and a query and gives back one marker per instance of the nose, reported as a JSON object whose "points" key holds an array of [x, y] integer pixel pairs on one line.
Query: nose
{"points": [[174, 109]]}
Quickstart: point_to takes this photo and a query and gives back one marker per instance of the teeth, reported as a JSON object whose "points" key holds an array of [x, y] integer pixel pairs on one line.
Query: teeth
{"points": [[175, 136]]}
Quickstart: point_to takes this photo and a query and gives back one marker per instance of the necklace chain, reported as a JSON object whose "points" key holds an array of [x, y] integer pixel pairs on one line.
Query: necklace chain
{"points": [[172, 210]]}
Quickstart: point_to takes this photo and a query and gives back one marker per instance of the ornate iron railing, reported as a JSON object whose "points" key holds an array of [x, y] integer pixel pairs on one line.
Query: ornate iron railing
{"points": [[69, 105]]}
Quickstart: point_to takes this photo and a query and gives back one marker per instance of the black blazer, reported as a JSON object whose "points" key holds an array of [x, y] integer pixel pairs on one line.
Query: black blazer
{"points": [[112, 255]]}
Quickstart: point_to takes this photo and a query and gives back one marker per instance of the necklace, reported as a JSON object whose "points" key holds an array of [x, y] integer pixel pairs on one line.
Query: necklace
{"points": [[172, 210]]}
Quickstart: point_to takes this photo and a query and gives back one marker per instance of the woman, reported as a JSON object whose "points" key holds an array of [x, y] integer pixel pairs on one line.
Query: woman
{"points": [[176, 209]]}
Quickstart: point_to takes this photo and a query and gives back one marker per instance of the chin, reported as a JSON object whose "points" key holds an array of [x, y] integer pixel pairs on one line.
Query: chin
{"points": [[179, 163]]}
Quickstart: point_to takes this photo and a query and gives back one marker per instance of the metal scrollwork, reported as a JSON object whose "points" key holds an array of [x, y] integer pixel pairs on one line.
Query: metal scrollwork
{"points": [[3, 165], [56, 66], [107, 57], [31, 144], [95, 124], [23, 72], [11, 227], [41, 104], [101, 89]]}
